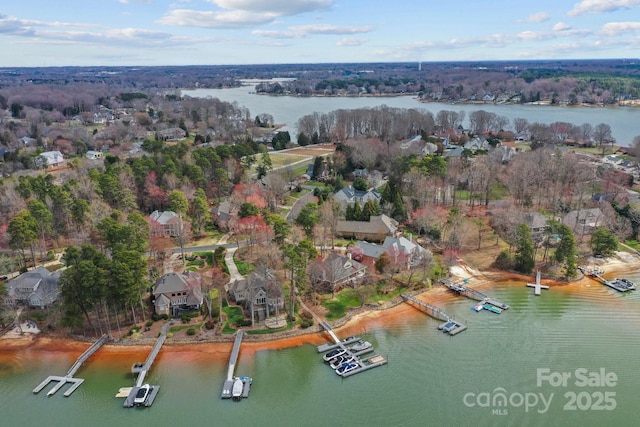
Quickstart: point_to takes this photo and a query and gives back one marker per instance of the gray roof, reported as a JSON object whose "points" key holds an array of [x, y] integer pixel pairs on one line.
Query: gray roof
{"points": [[335, 268], [351, 195], [38, 284], [180, 282], [371, 250], [381, 224], [163, 217]]}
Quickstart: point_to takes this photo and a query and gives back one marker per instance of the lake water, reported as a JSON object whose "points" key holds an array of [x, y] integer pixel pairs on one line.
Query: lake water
{"points": [[431, 379], [287, 109]]}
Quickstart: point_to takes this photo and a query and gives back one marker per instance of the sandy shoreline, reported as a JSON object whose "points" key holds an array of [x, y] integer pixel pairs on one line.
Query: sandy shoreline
{"points": [[371, 319]]}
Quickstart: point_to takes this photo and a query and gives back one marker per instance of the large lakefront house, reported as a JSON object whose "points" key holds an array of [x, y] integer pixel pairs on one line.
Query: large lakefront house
{"points": [[376, 229], [175, 293], [260, 293], [37, 288]]}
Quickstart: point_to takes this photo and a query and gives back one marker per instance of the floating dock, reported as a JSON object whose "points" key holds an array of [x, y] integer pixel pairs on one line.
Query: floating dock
{"points": [[620, 285], [68, 378], [141, 369], [228, 385], [473, 294], [363, 364], [537, 287], [450, 326]]}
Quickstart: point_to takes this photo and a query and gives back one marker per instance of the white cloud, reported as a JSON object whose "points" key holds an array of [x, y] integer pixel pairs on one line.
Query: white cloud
{"points": [[278, 7], [351, 41], [615, 28], [561, 26], [274, 34], [330, 29], [231, 19], [538, 17], [300, 31], [601, 6]]}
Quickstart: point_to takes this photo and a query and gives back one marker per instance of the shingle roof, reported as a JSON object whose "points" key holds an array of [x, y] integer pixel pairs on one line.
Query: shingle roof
{"points": [[381, 224], [163, 217]]}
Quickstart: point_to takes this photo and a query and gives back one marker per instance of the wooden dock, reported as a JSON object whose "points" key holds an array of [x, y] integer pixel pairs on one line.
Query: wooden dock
{"points": [[227, 386], [366, 364], [68, 378], [537, 287], [620, 285], [451, 326], [363, 364], [141, 370], [473, 294]]}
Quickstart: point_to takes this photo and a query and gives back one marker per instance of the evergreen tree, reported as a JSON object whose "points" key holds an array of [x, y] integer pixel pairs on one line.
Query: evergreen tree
{"points": [[317, 167], [370, 209], [303, 139], [603, 242], [357, 211], [524, 258]]}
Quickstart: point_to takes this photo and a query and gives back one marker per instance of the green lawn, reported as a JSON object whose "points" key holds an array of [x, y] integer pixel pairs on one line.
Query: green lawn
{"points": [[345, 299], [244, 268], [234, 315], [174, 329]]}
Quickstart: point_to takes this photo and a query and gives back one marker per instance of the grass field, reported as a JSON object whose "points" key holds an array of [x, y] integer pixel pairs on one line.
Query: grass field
{"points": [[279, 160]]}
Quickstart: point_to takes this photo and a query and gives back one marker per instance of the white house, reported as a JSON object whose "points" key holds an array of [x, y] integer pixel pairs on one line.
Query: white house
{"points": [[52, 159], [93, 155]]}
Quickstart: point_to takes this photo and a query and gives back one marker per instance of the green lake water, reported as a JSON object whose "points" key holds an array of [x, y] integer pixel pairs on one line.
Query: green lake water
{"points": [[486, 376]]}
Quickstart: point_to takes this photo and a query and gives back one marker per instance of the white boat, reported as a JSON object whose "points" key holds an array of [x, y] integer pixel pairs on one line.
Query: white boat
{"points": [[346, 367], [340, 360], [334, 353], [236, 390], [141, 394], [361, 345]]}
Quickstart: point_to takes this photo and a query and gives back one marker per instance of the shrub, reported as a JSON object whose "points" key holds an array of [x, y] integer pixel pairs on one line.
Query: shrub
{"points": [[504, 260], [191, 331], [185, 318], [306, 323], [243, 322], [210, 324], [149, 323]]}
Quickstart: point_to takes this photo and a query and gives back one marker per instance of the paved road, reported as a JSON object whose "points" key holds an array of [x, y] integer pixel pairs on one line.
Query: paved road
{"points": [[298, 205]]}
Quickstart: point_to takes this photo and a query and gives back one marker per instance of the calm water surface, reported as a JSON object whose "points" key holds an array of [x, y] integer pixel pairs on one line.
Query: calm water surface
{"points": [[431, 379], [287, 109]]}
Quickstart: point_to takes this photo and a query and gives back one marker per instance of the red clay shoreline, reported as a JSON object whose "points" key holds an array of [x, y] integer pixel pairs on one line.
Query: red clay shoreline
{"points": [[359, 323]]}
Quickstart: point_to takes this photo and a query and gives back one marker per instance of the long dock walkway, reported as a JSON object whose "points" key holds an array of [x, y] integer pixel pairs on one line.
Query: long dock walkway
{"points": [[620, 285], [451, 326], [329, 330], [472, 293], [230, 380], [68, 378], [141, 369]]}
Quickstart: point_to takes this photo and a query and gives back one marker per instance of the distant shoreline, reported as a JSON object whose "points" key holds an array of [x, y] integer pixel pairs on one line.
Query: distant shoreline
{"points": [[629, 103]]}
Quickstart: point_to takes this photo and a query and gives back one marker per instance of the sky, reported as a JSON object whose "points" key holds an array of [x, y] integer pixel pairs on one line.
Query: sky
{"points": [[37, 33]]}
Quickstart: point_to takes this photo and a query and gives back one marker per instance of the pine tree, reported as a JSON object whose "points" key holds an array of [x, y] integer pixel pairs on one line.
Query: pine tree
{"points": [[524, 258]]}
